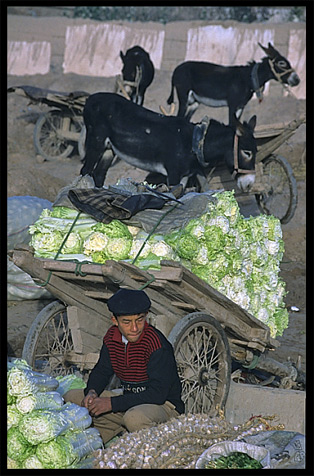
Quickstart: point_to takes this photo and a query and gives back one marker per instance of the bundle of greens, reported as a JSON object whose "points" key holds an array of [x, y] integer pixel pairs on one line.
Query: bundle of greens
{"points": [[38, 416], [44, 425], [69, 382], [237, 256], [53, 226], [13, 415], [24, 381], [40, 400], [234, 460], [18, 448], [69, 448]]}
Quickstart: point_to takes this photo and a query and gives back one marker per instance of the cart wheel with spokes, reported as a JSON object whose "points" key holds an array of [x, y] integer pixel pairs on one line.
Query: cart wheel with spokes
{"points": [[48, 341], [50, 134], [203, 358], [280, 194]]}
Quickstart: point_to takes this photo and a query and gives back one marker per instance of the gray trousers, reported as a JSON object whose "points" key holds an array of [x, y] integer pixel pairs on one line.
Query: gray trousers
{"points": [[136, 418]]}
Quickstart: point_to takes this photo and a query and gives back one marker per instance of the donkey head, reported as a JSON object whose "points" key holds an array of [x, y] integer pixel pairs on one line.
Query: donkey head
{"points": [[280, 66], [244, 154]]}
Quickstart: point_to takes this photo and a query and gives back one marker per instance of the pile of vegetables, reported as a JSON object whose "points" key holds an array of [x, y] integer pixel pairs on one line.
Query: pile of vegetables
{"points": [[234, 460], [43, 431], [239, 257]]}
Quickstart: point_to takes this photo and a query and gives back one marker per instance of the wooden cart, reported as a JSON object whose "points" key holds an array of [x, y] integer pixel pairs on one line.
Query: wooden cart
{"points": [[206, 328], [275, 189], [58, 131]]}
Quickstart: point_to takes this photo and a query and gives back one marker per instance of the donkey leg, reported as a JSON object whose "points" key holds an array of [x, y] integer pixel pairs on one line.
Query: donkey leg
{"points": [[94, 149], [100, 171]]}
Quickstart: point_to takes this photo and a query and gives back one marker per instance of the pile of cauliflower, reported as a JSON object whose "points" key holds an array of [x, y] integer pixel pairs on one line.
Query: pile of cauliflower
{"points": [[237, 256]]}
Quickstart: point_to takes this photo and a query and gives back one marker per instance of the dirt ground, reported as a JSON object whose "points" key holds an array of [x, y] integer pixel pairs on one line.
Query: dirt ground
{"points": [[30, 174]]}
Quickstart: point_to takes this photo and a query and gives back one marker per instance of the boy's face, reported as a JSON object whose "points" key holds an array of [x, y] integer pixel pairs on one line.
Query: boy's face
{"points": [[131, 326]]}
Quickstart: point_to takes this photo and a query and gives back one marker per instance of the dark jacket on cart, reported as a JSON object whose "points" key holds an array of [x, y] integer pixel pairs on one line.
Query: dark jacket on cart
{"points": [[146, 368]]}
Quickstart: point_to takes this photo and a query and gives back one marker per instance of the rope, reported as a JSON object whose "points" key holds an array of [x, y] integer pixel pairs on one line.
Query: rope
{"points": [[59, 250], [144, 243], [78, 271], [278, 77], [152, 231], [252, 364]]}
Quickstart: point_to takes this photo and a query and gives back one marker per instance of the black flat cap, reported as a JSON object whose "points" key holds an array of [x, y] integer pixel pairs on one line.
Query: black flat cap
{"points": [[127, 302]]}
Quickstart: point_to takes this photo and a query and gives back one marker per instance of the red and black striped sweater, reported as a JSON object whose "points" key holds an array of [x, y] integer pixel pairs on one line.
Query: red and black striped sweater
{"points": [[146, 368]]}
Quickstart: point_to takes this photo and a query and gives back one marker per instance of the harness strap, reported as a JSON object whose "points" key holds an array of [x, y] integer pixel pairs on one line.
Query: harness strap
{"points": [[275, 73], [278, 76], [136, 83], [235, 160]]}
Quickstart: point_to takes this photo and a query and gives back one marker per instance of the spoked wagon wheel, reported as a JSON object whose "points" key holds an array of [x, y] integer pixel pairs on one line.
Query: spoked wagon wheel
{"points": [[52, 134], [280, 196], [204, 364], [48, 341]]}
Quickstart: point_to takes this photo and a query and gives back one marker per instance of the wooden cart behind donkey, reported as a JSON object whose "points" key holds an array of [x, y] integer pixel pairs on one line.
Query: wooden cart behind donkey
{"points": [[60, 131]]}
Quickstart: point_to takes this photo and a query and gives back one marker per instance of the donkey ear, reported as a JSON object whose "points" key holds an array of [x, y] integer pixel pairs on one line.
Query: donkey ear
{"points": [[239, 128], [122, 56], [270, 51], [263, 47], [252, 122]]}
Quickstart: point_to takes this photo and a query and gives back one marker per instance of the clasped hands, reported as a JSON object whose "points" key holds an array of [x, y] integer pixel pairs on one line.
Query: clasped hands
{"points": [[96, 405]]}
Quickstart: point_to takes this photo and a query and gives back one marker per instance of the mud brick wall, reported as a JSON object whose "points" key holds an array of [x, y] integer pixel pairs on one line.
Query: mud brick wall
{"points": [[91, 48]]}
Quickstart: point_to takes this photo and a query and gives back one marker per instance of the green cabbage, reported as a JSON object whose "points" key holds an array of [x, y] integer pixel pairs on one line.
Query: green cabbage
{"points": [[139, 248], [151, 261], [114, 229], [13, 464], [13, 416], [161, 249], [28, 403], [195, 227], [32, 462], [18, 448], [184, 244], [69, 382], [23, 381], [46, 242], [44, 425], [66, 212], [225, 205], [96, 241], [69, 448], [73, 244], [118, 248], [99, 257]]}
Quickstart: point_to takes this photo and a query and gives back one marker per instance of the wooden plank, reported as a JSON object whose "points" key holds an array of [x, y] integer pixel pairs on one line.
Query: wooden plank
{"points": [[98, 294], [70, 266], [119, 273], [236, 320], [62, 267], [63, 290], [68, 275], [83, 361], [75, 330], [201, 302], [88, 329], [163, 322], [277, 141], [184, 305]]}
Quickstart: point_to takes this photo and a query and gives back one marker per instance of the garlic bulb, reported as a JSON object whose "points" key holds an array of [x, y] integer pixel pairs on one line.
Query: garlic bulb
{"points": [[178, 443]]}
